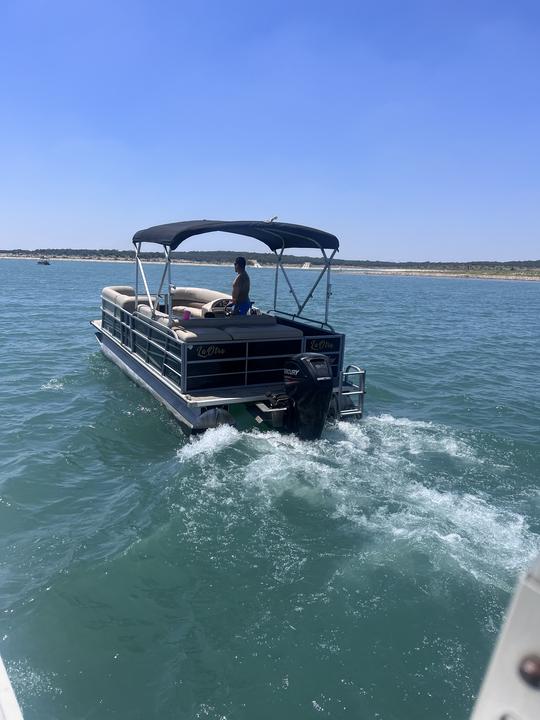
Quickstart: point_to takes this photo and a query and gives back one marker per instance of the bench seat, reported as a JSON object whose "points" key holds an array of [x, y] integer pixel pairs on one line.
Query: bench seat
{"points": [[198, 301], [123, 296], [242, 327], [263, 332], [201, 334]]}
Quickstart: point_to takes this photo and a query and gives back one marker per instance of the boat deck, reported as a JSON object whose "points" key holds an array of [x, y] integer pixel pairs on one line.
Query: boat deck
{"points": [[232, 395]]}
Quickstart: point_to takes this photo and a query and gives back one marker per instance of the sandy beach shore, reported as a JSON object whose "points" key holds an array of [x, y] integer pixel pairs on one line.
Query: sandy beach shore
{"points": [[341, 269]]}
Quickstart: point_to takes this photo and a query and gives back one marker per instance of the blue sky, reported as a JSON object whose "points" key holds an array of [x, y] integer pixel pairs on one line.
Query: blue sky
{"points": [[409, 129]]}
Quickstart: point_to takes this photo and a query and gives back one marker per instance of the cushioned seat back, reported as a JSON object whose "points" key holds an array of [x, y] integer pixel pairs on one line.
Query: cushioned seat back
{"points": [[157, 316], [122, 289], [123, 296], [195, 297]]}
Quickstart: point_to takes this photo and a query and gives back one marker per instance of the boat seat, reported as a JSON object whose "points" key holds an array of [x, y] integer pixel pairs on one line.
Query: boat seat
{"points": [[192, 298], [123, 296], [201, 334], [195, 312], [246, 327], [122, 289], [263, 332], [160, 317], [196, 296], [198, 301]]}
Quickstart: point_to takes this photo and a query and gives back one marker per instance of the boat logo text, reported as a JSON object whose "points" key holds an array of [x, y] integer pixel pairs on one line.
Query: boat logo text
{"points": [[208, 351], [318, 345]]}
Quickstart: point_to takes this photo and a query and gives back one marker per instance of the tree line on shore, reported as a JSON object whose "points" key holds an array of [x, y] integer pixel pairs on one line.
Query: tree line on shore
{"points": [[227, 257]]}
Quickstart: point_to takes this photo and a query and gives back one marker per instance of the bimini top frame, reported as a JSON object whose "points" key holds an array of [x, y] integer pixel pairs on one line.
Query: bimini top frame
{"points": [[275, 235]]}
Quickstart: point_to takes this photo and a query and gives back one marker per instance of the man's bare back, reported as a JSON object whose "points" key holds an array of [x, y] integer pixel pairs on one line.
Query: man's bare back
{"points": [[240, 289]]}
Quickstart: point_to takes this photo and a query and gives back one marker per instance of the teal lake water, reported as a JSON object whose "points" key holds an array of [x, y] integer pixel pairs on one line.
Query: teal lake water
{"points": [[245, 575]]}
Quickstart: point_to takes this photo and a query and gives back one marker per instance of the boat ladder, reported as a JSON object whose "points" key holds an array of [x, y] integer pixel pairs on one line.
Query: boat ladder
{"points": [[352, 388]]}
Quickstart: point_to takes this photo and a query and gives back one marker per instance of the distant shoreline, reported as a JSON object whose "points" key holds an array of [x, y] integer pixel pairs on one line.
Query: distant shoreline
{"points": [[341, 269]]}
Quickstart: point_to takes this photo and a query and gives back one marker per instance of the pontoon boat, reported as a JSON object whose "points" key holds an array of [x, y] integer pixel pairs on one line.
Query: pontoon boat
{"points": [[205, 365]]}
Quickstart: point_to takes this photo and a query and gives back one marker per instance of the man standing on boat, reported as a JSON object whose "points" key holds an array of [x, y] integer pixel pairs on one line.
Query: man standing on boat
{"points": [[240, 290]]}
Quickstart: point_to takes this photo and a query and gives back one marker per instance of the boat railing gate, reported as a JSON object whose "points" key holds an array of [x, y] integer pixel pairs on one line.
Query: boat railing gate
{"points": [[354, 380]]}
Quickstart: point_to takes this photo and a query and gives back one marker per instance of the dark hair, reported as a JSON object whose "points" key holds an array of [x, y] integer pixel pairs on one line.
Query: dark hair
{"points": [[241, 261]]}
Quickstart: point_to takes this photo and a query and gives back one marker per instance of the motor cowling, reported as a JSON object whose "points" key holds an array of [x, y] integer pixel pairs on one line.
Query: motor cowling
{"points": [[308, 384]]}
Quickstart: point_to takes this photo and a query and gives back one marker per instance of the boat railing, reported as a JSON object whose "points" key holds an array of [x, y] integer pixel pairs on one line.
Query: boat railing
{"points": [[129, 332], [161, 349], [190, 365]]}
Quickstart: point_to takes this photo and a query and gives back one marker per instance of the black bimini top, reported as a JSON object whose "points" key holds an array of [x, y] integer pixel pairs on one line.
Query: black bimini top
{"points": [[275, 235]]}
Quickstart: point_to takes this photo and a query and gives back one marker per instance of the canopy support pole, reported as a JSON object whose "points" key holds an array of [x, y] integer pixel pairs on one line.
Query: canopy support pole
{"points": [[137, 251], [291, 289], [276, 276], [141, 268], [166, 273], [326, 268], [169, 298], [328, 284]]}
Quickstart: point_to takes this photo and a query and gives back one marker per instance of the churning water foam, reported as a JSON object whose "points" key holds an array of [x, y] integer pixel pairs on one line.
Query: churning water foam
{"points": [[370, 475]]}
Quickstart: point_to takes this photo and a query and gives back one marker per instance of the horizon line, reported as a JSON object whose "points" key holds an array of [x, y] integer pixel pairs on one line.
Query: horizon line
{"points": [[80, 251]]}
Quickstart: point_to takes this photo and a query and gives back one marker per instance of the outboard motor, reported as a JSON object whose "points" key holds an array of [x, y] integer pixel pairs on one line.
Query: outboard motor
{"points": [[308, 384]]}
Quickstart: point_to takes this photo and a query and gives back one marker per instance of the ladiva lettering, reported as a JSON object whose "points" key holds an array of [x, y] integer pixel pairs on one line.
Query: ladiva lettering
{"points": [[209, 351], [319, 345]]}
